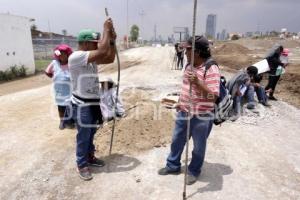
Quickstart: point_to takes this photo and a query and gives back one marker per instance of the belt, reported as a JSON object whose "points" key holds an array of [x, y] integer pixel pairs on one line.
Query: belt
{"points": [[86, 100]]}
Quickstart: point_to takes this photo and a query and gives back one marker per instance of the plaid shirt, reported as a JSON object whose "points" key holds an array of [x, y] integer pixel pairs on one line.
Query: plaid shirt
{"points": [[201, 102]]}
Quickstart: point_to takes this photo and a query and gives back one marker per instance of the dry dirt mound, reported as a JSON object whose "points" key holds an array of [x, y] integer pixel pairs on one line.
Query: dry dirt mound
{"points": [[288, 88], [236, 62], [290, 43], [233, 56], [146, 126], [231, 48]]}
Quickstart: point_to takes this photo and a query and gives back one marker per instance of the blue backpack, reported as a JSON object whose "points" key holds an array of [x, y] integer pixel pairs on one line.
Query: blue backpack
{"points": [[224, 102]]}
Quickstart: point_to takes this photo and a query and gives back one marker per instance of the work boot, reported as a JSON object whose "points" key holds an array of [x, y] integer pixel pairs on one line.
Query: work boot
{"points": [[84, 173], [166, 171], [93, 161], [190, 179]]}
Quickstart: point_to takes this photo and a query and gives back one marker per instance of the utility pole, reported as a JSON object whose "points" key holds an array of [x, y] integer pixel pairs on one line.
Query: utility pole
{"points": [[155, 33], [142, 14], [127, 24]]}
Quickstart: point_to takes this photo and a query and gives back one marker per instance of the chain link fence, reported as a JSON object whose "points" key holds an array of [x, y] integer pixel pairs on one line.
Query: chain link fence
{"points": [[43, 48]]}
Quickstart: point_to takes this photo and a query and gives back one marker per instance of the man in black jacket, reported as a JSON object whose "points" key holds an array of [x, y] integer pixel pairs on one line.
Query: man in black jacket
{"points": [[274, 62]]}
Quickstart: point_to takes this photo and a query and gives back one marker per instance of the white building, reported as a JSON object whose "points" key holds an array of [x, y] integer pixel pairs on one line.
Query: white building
{"points": [[16, 43]]}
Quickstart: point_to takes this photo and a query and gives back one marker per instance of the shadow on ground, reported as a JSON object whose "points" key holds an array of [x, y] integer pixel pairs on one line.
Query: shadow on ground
{"points": [[117, 163], [212, 174]]}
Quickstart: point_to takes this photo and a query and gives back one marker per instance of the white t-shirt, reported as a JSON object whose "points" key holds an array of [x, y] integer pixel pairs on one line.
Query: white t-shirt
{"points": [[84, 75]]}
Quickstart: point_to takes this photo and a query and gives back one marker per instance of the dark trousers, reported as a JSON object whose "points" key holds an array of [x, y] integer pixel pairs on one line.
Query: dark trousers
{"points": [[61, 111], [179, 62], [273, 80]]}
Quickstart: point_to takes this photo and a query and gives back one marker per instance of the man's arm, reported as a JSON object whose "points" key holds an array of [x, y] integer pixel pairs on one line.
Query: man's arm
{"points": [[49, 70], [110, 57], [201, 86], [105, 53]]}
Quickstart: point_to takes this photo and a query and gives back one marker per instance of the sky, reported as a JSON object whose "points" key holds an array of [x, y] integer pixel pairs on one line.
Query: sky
{"points": [[233, 15]]}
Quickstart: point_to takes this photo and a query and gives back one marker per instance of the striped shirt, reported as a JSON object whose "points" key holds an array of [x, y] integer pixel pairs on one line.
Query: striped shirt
{"points": [[201, 102]]}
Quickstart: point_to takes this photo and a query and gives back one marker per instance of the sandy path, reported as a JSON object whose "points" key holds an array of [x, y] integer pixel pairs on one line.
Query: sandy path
{"points": [[257, 157]]}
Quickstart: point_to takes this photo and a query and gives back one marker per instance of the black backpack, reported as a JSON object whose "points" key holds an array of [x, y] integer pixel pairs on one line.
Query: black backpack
{"points": [[224, 102]]}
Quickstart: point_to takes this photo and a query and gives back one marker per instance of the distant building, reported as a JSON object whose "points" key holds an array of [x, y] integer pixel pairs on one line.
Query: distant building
{"points": [[211, 25], [16, 43], [249, 34], [223, 35], [218, 36], [258, 34]]}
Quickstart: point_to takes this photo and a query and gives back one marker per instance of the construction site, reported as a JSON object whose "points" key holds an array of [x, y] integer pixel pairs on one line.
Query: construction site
{"points": [[255, 157]]}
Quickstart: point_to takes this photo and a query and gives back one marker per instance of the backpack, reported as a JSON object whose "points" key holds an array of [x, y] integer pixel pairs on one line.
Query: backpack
{"points": [[224, 102]]}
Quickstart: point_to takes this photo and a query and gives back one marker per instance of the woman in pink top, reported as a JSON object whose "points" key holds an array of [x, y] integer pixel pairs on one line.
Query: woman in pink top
{"points": [[58, 70]]}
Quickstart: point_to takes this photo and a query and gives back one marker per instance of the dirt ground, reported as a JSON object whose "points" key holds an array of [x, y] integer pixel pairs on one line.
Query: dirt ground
{"points": [[28, 83], [256, 157]]}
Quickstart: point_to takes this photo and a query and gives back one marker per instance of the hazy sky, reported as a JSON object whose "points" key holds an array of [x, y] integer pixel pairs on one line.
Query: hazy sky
{"points": [[233, 15]]}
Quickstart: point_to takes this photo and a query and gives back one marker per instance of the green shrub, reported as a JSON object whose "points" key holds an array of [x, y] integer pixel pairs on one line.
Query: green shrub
{"points": [[12, 73]]}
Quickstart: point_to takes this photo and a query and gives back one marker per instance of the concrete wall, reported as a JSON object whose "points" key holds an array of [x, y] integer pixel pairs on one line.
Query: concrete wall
{"points": [[16, 43]]}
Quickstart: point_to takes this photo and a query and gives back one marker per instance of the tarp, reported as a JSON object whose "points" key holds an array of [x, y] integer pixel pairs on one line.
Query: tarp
{"points": [[262, 66]]}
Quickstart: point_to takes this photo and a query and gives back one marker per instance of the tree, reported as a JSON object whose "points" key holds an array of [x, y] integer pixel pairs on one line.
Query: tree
{"points": [[64, 32], [235, 37], [274, 33], [134, 33]]}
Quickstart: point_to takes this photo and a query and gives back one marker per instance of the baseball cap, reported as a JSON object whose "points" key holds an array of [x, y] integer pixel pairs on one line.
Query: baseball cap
{"points": [[62, 48], [201, 43], [88, 35]]}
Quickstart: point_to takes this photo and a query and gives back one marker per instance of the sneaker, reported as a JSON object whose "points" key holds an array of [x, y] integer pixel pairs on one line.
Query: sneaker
{"points": [[250, 106], [165, 171], [233, 118], [85, 174], [190, 179], [272, 98], [96, 162]]}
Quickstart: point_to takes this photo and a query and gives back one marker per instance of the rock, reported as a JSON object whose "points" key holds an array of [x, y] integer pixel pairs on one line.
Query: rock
{"points": [[46, 180]]}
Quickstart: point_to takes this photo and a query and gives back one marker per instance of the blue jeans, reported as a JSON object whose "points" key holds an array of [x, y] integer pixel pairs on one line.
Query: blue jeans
{"points": [[237, 105], [250, 97], [199, 130], [86, 120], [261, 94]]}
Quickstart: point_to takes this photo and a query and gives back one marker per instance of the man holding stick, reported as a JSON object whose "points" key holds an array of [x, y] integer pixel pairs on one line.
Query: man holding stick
{"points": [[85, 91], [205, 85]]}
